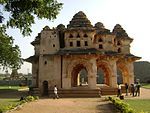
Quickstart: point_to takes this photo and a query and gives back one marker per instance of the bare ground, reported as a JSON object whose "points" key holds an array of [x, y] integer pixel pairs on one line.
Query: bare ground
{"points": [[68, 105], [75, 105]]}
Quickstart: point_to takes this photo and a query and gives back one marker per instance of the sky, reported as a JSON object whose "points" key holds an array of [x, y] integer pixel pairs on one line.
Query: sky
{"points": [[132, 15]]}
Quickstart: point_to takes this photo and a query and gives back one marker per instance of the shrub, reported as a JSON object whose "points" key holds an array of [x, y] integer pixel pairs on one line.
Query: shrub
{"points": [[1, 111], [36, 97], [22, 100], [123, 107], [29, 98]]}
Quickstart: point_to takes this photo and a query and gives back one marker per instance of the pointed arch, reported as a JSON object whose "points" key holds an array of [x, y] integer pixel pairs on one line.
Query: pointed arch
{"points": [[105, 66], [124, 70], [85, 63]]}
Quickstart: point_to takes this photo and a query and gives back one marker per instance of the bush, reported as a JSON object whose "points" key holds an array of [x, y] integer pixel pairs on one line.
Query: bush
{"points": [[36, 97], [29, 98], [1, 111], [22, 100], [123, 107]]}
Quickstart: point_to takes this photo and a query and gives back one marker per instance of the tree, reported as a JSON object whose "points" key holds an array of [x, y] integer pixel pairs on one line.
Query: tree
{"points": [[10, 56], [23, 12], [22, 16], [14, 74]]}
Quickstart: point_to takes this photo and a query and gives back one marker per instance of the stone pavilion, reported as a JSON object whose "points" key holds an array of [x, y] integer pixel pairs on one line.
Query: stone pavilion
{"points": [[62, 52]]}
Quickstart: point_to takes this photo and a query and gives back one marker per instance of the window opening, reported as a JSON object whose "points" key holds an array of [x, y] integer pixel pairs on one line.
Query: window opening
{"points": [[119, 50], [86, 43], [100, 46], [70, 36], [78, 43], [45, 62], [78, 36], [71, 44], [118, 43], [100, 40], [85, 35]]}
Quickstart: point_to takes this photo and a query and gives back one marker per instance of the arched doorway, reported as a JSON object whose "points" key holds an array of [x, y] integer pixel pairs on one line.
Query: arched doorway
{"points": [[83, 79], [119, 76], [103, 71], [79, 76], [45, 88], [123, 71], [100, 76]]}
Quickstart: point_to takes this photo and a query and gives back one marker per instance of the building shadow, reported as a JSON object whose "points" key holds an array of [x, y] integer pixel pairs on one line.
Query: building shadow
{"points": [[106, 107]]}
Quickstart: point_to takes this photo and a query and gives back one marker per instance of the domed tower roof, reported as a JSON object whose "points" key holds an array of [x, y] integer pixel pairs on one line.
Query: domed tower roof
{"points": [[99, 25], [119, 31], [100, 28], [79, 20], [61, 27]]}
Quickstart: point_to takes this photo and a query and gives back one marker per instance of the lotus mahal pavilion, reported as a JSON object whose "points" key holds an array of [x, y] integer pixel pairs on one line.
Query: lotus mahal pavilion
{"points": [[61, 54]]}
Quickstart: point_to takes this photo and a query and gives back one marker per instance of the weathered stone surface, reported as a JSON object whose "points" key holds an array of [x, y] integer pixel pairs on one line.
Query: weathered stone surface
{"points": [[61, 53]]}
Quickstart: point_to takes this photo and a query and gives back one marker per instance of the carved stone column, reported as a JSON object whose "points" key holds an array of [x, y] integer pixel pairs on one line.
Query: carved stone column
{"points": [[113, 76], [92, 75], [131, 73]]}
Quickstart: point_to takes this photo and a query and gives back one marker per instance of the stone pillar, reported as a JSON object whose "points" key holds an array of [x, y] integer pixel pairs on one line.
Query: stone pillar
{"points": [[78, 79], [34, 83], [92, 81], [92, 74], [131, 73], [40, 84], [125, 79], [66, 75], [131, 79], [35, 74], [113, 81], [113, 76], [66, 83]]}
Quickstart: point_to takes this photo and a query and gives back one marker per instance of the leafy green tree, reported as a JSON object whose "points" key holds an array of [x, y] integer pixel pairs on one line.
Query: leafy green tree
{"points": [[10, 55], [22, 16], [23, 12]]}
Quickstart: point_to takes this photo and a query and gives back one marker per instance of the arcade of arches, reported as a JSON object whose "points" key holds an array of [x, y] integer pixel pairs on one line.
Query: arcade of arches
{"points": [[91, 72]]}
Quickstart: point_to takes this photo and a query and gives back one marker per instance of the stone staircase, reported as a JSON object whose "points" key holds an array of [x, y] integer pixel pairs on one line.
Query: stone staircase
{"points": [[83, 93], [77, 92], [34, 91]]}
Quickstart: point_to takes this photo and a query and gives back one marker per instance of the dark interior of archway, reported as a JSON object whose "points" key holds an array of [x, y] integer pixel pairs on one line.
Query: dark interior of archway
{"points": [[100, 76], [45, 88], [79, 70], [119, 76], [103, 75]]}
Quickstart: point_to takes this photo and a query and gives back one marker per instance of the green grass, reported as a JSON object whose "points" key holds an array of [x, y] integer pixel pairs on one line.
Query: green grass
{"points": [[6, 104], [139, 105], [14, 88], [146, 86], [10, 87]]}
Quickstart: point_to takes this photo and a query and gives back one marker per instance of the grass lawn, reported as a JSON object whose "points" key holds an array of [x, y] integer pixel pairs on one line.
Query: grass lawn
{"points": [[10, 87], [146, 86], [139, 105], [14, 88], [9, 103], [6, 104]]}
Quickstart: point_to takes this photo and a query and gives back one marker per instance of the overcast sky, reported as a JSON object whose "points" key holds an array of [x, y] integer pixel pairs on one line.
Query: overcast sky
{"points": [[133, 15]]}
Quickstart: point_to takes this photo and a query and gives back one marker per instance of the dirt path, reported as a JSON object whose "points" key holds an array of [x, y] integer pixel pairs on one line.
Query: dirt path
{"points": [[68, 105], [75, 105]]}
